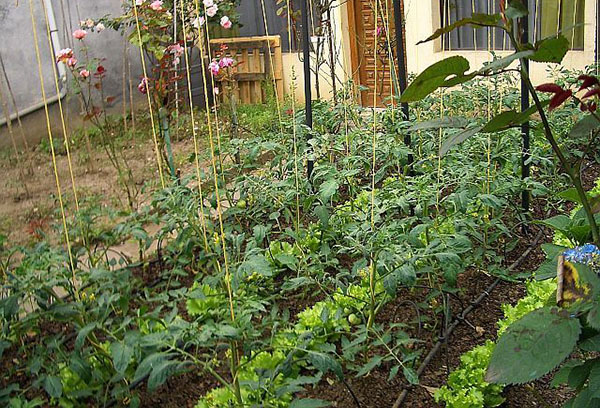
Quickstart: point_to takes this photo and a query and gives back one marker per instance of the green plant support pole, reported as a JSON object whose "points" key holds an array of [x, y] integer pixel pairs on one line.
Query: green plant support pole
{"points": [[164, 129]]}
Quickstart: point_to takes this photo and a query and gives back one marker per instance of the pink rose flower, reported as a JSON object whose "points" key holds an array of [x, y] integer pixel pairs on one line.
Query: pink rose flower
{"points": [[198, 22], [175, 49], [100, 27], [226, 22], [214, 67], [156, 5], [84, 73], [64, 55], [71, 62], [226, 62], [208, 3], [79, 34], [143, 86], [212, 10]]}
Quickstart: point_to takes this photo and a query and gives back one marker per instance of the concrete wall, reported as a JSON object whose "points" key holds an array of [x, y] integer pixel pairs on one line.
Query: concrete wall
{"points": [[18, 53]]}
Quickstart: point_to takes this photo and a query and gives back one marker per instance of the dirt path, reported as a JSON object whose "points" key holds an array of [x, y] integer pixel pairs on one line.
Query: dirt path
{"points": [[29, 208]]}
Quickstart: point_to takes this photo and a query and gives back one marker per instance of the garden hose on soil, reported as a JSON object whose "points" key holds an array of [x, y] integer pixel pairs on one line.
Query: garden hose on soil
{"points": [[462, 317]]}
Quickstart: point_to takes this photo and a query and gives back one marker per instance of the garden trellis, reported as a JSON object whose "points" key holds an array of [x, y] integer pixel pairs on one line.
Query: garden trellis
{"points": [[323, 244]]}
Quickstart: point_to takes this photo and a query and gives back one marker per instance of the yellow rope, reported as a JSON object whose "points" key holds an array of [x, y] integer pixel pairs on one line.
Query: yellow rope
{"points": [[374, 144], [215, 175], [474, 29], [374, 138], [393, 70], [145, 73], [51, 140], [214, 94], [194, 134], [294, 139], [264, 15], [489, 113], [62, 121], [535, 18], [445, 13]]}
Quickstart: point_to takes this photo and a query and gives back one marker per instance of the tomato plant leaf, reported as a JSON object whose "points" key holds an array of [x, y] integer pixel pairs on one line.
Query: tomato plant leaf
{"points": [[516, 9], [411, 375], [584, 127], [309, 403], [457, 139], [160, 373], [591, 344], [82, 335], [441, 123], [325, 363], [53, 386], [371, 364], [121, 354]]}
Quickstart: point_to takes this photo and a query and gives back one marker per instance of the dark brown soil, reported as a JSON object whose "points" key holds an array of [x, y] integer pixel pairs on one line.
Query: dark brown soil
{"points": [[180, 391]]}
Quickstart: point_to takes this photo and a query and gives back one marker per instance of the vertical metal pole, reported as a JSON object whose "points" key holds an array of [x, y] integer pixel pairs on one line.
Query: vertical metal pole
{"points": [[402, 70], [307, 86], [526, 152]]}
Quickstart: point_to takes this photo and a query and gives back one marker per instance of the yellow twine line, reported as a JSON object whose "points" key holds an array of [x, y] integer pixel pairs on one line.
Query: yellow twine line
{"points": [[214, 94], [194, 133], [374, 143], [274, 80], [51, 140], [62, 121], [294, 140], [145, 73], [215, 175], [445, 13], [374, 138]]}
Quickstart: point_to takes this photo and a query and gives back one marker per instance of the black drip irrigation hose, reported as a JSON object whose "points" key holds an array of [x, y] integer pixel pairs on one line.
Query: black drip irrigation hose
{"points": [[462, 317], [441, 341]]}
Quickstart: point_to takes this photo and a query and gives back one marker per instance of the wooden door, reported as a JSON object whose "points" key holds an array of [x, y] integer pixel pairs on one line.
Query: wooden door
{"points": [[369, 46]]}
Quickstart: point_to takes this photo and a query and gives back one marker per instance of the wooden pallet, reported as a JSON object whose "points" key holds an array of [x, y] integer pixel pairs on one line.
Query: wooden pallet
{"points": [[255, 65]]}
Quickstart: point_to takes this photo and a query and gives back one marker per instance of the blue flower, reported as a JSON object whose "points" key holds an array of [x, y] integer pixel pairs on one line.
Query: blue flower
{"points": [[587, 254]]}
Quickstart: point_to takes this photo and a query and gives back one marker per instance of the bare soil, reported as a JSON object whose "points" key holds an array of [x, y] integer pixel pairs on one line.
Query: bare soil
{"points": [[28, 193]]}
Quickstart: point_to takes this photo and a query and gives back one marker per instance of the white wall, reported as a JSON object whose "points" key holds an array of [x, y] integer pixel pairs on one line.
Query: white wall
{"points": [[422, 18]]}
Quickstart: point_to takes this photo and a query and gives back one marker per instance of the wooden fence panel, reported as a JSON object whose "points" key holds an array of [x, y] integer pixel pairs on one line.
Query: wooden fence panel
{"points": [[254, 63]]}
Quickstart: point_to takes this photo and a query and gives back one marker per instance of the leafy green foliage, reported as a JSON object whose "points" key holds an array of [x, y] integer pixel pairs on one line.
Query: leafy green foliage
{"points": [[466, 386], [521, 353], [551, 49], [434, 77]]}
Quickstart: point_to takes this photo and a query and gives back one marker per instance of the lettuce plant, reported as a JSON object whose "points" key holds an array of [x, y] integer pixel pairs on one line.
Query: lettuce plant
{"points": [[466, 386]]}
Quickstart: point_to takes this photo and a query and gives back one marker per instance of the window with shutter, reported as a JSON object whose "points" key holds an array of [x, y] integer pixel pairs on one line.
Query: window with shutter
{"points": [[546, 18]]}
